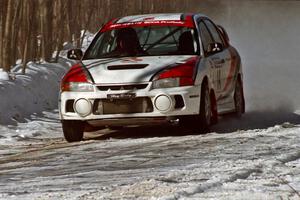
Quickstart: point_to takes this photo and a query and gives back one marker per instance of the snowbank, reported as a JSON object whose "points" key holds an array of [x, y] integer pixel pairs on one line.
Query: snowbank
{"points": [[3, 75], [87, 38], [36, 91]]}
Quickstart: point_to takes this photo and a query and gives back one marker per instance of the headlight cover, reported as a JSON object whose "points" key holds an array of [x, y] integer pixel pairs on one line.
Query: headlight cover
{"points": [[80, 87], [166, 83], [179, 75], [77, 79]]}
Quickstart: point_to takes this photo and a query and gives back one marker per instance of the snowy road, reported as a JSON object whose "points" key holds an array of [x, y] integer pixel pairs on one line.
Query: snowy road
{"points": [[154, 162]]}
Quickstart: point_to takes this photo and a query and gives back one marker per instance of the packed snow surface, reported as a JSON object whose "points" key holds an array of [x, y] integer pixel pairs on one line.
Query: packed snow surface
{"points": [[149, 163]]}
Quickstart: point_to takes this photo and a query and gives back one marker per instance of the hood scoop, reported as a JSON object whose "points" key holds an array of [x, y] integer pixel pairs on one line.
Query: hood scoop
{"points": [[126, 67]]}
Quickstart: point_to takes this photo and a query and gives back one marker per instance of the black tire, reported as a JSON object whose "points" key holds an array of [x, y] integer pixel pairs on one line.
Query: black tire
{"points": [[201, 122], [239, 101], [73, 130], [205, 115], [214, 109]]}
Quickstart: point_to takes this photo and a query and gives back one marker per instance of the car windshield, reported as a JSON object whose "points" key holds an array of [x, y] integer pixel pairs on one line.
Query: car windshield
{"points": [[143, 41]]}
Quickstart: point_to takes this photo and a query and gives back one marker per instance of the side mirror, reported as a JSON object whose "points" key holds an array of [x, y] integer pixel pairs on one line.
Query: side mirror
{"points": [[224, 33], [214, 48], [75, 54]]}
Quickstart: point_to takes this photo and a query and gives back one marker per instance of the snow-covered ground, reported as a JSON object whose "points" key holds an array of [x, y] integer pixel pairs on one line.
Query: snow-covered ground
{"points": [[151, 163]]}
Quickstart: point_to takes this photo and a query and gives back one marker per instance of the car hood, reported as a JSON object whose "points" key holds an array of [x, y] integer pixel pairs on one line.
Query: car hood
{"points": [[129, 69]]}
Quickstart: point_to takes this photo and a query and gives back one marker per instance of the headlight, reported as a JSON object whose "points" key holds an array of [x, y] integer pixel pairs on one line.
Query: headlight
{"points": [[166, 83], [77, 79], [182, 74], [78, 87]]}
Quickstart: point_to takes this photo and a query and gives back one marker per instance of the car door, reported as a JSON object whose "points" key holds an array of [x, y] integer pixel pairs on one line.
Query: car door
{"points": [[214, 62], [222, 62]]}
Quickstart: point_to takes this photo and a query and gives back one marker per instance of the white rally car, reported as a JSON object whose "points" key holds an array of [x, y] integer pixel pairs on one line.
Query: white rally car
{"points": [[149, 69]]}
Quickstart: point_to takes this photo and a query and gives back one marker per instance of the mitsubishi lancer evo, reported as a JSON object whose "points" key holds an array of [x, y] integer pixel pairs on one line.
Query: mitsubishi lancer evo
{"points": [[152, 69]]}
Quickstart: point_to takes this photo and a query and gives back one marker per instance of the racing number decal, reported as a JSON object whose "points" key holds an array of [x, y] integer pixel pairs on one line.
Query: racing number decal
{"points": [[216, 74], [233, 69]]}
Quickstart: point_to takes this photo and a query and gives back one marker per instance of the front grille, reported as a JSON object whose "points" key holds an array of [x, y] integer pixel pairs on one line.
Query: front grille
{"points": [[122, 106], [122, 87]]}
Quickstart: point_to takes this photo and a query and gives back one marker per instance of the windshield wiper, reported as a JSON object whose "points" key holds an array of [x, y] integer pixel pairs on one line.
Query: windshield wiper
{"points": [[163, 38]]}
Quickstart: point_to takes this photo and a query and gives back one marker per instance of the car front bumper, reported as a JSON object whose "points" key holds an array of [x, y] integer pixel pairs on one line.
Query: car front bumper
{"points": [[148, 106]]}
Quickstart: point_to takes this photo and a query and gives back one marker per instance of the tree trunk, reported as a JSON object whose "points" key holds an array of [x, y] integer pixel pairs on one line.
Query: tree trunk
{"points": [[60, 20], [45, 25], [26, 30], [15, 30], [6, 62]]}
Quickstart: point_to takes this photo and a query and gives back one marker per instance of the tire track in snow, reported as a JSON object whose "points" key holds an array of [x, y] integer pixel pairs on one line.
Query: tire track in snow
{"points": [[243, 174], [289, 157], [285, 182], [283, 161]]}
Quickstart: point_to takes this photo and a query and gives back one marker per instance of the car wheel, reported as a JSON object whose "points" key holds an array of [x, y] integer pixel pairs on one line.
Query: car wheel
{"points": [[239, 99], [73, 130], [214, 109], [205, 115], [202, 121]]}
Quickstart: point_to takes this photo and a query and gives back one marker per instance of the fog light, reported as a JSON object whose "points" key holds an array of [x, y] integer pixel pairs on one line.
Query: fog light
{"points": [[83, 107], [163, 103]]}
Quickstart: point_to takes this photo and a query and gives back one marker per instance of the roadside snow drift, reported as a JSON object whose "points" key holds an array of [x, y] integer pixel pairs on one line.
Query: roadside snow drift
{"points": [[36, 91]]}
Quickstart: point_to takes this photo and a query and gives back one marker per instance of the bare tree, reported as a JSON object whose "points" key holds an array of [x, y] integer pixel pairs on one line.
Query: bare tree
{"points": [[7, 37]]}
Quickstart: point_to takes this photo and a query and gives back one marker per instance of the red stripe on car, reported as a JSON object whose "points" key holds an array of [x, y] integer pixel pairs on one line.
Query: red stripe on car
{"points": [[187, 23]]}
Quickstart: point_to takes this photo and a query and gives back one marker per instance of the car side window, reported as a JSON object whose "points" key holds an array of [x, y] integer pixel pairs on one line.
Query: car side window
{"points": [[206, 37], [215, 34]]}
